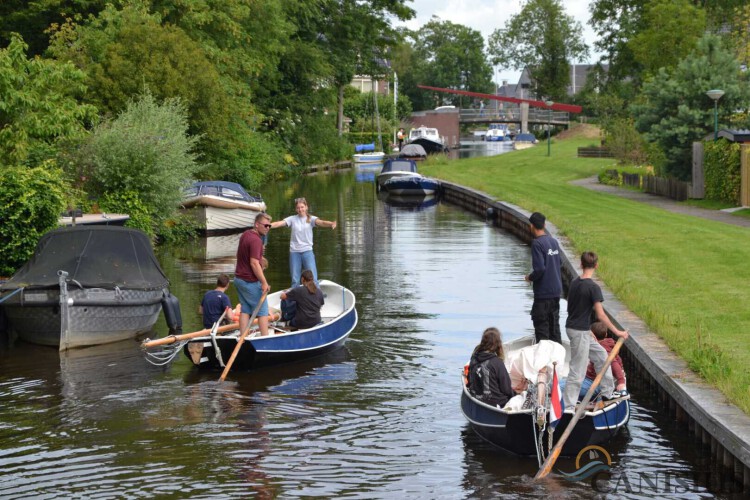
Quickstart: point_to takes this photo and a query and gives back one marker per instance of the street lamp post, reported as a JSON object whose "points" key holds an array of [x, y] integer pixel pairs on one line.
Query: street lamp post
{"points": [[715, 95], [549, 124]]}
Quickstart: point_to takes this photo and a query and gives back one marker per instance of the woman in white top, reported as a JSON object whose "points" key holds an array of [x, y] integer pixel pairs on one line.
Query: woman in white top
{"points": [[300, 245]]}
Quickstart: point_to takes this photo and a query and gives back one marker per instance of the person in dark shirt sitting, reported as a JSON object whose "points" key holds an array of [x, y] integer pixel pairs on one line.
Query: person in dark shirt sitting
{"points": [[308, 298], [215, 302], [488, 378]]}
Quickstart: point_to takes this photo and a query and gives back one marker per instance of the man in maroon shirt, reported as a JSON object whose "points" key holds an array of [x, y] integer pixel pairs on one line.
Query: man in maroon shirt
{"points": [[248, 273]]}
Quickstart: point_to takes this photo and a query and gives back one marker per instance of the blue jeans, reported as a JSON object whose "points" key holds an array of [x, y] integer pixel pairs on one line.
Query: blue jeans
{"points": [[585, 385], [302, 261]]}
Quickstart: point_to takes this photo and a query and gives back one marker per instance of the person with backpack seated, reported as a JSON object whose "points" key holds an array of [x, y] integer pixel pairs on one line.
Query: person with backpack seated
{"points": [[488, 378], [308, 300]]}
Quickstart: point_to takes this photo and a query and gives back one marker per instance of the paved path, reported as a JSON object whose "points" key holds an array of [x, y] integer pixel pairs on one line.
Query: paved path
{"points": [[662, 202]]}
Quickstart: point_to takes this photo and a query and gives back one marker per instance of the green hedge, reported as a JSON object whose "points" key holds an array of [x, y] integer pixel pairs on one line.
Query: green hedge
{"points": [[31, 201], [721, 163]]}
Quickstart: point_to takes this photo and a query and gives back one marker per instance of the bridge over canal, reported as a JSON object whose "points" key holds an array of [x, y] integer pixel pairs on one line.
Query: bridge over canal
{"points": [[521, 112]]}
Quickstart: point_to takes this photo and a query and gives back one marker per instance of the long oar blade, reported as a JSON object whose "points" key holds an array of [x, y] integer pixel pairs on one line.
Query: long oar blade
{"points": [[555, 453]]}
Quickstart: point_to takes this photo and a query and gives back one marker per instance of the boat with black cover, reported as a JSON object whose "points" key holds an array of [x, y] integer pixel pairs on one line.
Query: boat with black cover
{"points": [[88, 285]]}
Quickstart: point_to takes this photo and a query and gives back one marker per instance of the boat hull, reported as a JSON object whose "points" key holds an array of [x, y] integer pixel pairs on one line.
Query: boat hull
{"points": [[430, 146], [369, 158], [514, 432], [217, 219], [522, 145], [96, 316], [416, 186], [339, 315]]}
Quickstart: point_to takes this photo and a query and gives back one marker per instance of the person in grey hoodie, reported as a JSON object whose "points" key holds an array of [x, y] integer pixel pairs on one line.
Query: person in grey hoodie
{"points": [[546, 278], [488, 378]]}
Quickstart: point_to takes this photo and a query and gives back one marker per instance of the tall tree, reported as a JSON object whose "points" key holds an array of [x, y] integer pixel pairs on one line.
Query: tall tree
{"points": [[615, 22], [543, 39], [39, 106], [674, 110], [453, 57], [672, 27]]}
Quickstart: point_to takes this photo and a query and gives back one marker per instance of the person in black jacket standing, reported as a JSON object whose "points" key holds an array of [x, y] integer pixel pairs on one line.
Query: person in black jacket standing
{"points": [[488, 378], [547, 281]]}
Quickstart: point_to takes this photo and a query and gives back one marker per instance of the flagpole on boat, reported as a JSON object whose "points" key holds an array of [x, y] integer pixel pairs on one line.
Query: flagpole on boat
{"points": [[555, 453]]}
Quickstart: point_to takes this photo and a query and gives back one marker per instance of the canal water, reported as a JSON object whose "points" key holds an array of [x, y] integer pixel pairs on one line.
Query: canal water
{"points": [[379, 418]]}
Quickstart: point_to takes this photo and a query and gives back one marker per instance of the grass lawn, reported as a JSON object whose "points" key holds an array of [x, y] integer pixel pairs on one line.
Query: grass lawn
{"points": [[687, 278]]}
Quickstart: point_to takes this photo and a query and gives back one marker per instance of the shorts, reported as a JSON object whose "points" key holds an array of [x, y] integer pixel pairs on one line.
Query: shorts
{"points": [[250, 293]]}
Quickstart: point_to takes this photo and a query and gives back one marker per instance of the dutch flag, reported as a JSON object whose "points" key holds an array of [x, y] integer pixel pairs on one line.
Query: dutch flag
{"points": [[557, 406]]}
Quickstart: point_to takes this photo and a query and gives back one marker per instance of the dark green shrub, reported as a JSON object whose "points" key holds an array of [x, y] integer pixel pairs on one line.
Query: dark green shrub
{"points": [[145, 152], [721, 162], [31, 201]]}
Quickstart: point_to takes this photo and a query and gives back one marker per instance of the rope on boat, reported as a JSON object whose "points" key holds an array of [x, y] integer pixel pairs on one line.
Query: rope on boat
{"points": [[166, 354], [214, 330]]}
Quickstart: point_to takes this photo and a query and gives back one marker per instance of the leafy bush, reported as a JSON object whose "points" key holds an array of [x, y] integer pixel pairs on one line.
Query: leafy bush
{"points": [[248, 160], [31, 201], [624, 141], [128, 202], [316, 140], [721, 162], [145, 151]]}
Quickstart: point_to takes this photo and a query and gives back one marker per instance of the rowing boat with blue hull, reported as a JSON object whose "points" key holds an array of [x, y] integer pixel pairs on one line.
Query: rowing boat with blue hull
{"points": [[339, 317], [516, 431]]}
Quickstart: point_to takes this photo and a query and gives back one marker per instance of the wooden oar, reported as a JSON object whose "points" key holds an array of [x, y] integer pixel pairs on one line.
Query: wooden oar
{"points": [[171, 339], [555, 453], [242, 338]]}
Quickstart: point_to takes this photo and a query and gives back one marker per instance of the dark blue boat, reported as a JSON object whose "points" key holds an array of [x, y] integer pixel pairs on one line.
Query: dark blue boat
{"points": [[339, 317], [516, 431], [411, 185]]}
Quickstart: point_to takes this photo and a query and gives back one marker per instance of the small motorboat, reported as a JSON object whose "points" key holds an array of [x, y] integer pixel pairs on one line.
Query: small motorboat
{"points": [[396, 167], [88, 285], [524, 141], [524, 429], [411, 185], [374, 157], [222, 206], [413, 152], [339, 317], [429, 138], [78, 218]]}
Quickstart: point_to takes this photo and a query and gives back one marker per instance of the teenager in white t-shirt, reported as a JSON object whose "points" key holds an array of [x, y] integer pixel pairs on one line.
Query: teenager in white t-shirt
{"points": [[301, 255]]}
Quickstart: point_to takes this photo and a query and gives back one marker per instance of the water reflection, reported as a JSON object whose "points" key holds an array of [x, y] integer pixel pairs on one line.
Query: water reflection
{"points": [[408, 202]]}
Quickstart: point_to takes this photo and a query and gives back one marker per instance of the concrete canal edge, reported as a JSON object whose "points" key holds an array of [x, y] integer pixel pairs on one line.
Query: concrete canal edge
{"points": [[702, 410]]}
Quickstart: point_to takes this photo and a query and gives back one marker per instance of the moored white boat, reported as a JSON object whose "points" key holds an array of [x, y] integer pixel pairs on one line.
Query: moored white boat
{"points": [[429, 138], [222, 206], [374, 157]]}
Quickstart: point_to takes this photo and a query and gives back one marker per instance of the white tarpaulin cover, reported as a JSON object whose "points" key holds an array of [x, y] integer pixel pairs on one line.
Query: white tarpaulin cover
{"points": [[525, 363]]}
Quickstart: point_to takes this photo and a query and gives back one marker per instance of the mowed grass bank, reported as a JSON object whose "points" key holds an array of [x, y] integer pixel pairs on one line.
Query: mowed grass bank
{"points": [[687, 278]]}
